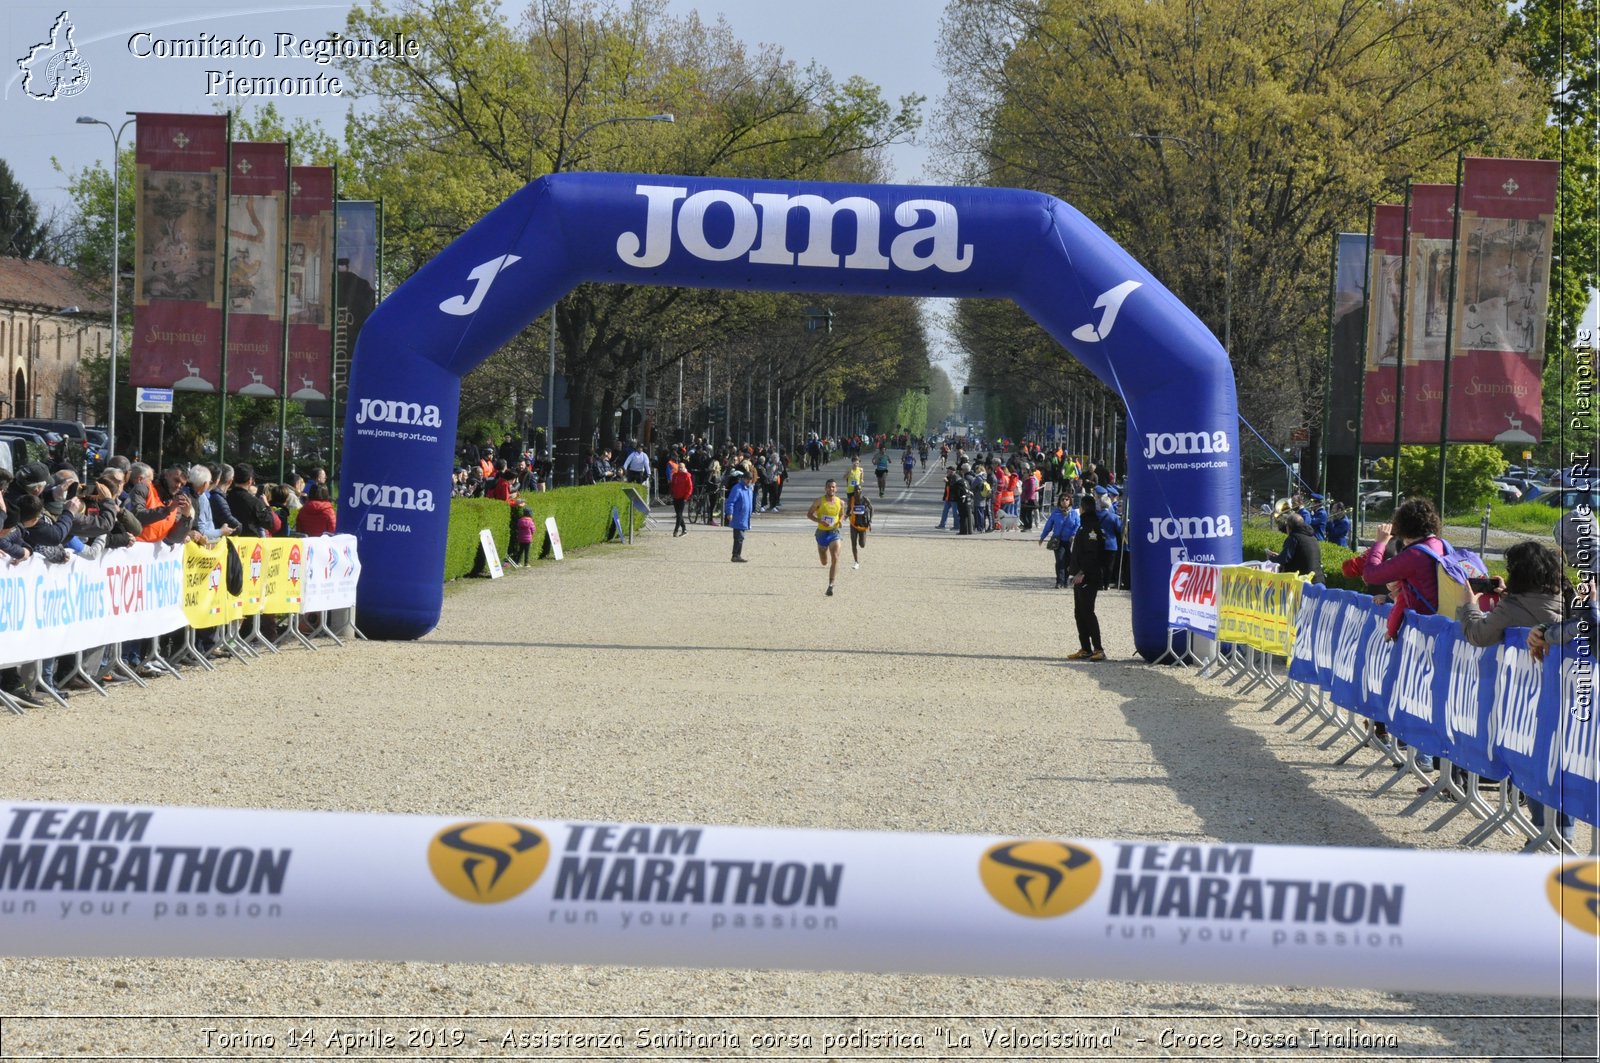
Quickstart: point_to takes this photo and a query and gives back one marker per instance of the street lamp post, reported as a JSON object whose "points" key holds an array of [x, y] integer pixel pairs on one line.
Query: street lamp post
{"points": [[116, 270], [561, 155], [1193, 150]]}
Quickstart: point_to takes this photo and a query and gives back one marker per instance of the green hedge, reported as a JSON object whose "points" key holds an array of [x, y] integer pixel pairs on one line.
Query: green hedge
{"points": [[1261, 543], [582, 513]]}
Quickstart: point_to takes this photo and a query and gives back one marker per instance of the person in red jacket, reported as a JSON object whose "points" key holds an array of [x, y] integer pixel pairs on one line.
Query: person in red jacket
{"points": [[317, 516], [681, 487], [1411, 575]]}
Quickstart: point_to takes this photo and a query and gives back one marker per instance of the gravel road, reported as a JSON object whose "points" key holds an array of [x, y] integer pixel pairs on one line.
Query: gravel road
{"points": [[659, 683]]}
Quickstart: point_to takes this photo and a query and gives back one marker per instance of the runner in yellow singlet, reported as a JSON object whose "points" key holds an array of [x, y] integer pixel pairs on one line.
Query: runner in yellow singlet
{"points": [[853, 477], [828, 514]]}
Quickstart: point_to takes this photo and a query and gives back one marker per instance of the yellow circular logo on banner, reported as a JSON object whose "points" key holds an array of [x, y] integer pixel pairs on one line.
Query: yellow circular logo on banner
{"points": [[1037, 878], [487, 862], [1574, 892]]}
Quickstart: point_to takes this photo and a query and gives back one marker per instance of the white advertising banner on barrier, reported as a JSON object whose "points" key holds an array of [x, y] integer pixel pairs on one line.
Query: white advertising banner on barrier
{"points": [[89, 880], [331, 572], [1192, 598], [51, 609]]}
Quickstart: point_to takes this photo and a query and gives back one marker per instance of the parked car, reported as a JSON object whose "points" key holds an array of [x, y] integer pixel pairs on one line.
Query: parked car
{"points": [[99, 443], [1567, 499]]}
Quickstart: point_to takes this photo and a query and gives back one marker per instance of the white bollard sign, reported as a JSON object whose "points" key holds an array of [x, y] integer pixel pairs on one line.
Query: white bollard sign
{"points": [[91, 880]]}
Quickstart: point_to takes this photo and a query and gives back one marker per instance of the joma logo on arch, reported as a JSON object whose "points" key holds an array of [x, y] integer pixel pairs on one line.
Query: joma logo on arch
{"points": [[930, 238], [1167, 443], [385, 412]]}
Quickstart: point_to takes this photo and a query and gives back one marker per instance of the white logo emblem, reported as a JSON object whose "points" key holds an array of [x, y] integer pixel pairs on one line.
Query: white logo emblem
{"points": [[55, 69], [761, 228], [1112, 301], [385, 496], [1190, 528], [389, 412], [1167, 443], [374, 522], [482, 277]]}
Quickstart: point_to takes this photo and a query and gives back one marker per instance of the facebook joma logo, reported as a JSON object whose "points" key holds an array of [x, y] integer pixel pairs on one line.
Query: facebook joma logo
{"points": [[377, 522]]}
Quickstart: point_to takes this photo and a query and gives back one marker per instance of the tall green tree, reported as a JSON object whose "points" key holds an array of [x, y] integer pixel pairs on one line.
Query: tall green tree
{"points": [[23, 234], [1223, 144]]}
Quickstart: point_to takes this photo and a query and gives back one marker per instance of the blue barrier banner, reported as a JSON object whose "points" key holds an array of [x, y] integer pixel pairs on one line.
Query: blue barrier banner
{"points": [[1493, 711], [1422, 681], [1569, 688], [1347, 657], [1329, 608], [1468, 709], [1302, 662], [1514, 717], [1377, 666]]}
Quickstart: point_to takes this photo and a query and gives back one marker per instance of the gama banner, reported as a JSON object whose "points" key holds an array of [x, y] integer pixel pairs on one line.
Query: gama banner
{"points": [[355, 281], [179, 218], [194, 882], [47, 610], [1258, 608], [1502, 297], [332, 570], [310, 283], [1192, 605], [1379, 393], [257, 234], [1349, 315]]}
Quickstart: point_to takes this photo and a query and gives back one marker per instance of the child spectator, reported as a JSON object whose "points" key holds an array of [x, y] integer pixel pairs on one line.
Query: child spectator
{"points": [[522, 536]]}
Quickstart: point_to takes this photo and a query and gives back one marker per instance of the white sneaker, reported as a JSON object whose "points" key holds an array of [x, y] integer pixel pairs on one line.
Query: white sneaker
{"points": [[856, 565]]}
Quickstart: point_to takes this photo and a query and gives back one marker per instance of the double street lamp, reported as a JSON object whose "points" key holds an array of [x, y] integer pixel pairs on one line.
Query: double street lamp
{"points": [[561, 156], [116, 270]]}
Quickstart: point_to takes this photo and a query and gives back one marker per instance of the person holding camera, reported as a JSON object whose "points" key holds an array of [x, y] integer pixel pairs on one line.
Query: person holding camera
{"points": [[1302, 552]]}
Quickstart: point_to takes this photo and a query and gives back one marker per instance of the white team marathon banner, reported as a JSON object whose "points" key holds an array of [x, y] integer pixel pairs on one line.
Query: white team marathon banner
{"points": [[331, 573], [95, 880], [47, 610]]}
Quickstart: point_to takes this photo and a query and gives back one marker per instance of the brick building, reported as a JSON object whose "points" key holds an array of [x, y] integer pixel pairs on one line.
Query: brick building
{"points": [[50, 322]]}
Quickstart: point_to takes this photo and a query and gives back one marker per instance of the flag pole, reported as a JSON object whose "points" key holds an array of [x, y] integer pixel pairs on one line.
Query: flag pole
{"points": [[1450, 331], [1401, 340], [227, 299], [1361, 385], [288, 250]]}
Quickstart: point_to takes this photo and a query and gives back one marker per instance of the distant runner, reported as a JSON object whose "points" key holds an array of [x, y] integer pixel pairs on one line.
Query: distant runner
{"points": [[828, 514], [881, 467], [908, 461]]}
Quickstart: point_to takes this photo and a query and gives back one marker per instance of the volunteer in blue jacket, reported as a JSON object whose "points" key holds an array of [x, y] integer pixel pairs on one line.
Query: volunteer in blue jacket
{"points": [[1059, 528], [1105, 501], [736, 511]]}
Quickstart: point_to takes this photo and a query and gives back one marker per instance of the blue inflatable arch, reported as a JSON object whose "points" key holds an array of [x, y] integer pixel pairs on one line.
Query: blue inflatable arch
{"points": [[405, 384]]}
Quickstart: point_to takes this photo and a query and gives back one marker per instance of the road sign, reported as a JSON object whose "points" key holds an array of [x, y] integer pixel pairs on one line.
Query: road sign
{"points": [[1300, 436], [153, 400]]}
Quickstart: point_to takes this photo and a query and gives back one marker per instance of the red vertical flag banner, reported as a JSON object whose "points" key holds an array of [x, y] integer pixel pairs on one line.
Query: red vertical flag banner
{"points": [[1427, 309], [1502, 298], [310, 283], [257, 215], [181, 188], [1383, 324]]}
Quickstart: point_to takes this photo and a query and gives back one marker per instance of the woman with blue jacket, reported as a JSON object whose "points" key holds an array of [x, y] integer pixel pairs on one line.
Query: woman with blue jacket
{"points": [[1059, 528]]}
